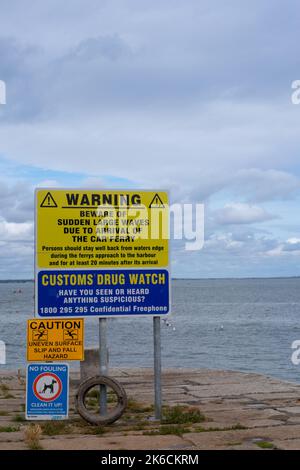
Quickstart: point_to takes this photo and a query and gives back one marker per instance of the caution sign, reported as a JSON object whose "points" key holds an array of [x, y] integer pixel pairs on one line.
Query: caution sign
{"points": [[47, 391], [87, 229], [55, 340]]}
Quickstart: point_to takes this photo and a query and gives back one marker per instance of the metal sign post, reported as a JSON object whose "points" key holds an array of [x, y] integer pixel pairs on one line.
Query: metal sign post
{"points": [[103, 363], [157, 368]]}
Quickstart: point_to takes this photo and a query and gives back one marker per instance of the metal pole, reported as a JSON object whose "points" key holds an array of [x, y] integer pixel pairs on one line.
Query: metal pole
{"points": [[157, 368], [103, 363]]}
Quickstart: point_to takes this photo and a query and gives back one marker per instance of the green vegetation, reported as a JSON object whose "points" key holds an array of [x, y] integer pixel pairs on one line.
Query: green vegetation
{"points": [[55, 428], [35, 445], [8, 395], [74, 425], [9, 428], [238, 426], [94, 393], [176, 420], [32, 434], [19, 419], [182, 415], [96, 430], [140, 426], [167, 430], [112, 399], [91, 402], [265, 445], [4, 388], [93, 397], [235, 427], [135, 407]]}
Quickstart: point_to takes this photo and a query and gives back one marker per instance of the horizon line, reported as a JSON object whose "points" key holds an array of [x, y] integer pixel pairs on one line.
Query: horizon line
{"points": [[189, 278]]}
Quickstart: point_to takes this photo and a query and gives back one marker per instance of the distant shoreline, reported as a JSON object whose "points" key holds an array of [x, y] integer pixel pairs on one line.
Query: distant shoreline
{"points": [[12, 281]]}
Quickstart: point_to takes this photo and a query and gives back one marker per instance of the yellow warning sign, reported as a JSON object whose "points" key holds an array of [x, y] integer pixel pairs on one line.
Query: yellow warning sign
{"points": [[55, 340], [82, 229]]}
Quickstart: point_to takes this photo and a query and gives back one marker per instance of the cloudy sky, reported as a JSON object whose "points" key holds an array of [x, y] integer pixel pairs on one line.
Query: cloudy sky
{"points": [[194, 96]]}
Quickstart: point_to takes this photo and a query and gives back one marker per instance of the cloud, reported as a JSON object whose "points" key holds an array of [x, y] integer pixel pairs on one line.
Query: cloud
{"points": [[226, 255], [16, 202], [265, 185], [126, 100], [191, 96], [291, 245], [10, 231], [239, 213], [110, 47], [251, 184], [247, 246]]}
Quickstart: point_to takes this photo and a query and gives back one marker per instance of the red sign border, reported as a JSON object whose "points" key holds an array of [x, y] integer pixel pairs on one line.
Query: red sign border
{"points": [[59, 387]]}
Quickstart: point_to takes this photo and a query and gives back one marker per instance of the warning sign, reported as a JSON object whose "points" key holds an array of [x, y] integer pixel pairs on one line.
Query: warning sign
{"points": [[47, 391], [100, 253], [104, 229], [55, 340]]}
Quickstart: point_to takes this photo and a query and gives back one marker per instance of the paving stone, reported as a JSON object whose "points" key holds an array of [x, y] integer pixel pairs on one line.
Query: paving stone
{"points": [[293, 420], [269, 408], [293, 410], [287, 444], [114, 443]]}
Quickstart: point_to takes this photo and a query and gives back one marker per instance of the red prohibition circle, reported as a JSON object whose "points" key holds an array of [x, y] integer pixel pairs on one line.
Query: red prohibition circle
{"points": [[36, 393]]}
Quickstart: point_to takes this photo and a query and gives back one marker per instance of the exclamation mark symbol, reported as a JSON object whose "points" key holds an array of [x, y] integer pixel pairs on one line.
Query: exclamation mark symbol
{"points": [[48, 201], [156, 202]]}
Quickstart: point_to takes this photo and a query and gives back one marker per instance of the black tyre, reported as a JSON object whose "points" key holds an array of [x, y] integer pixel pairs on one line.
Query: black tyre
{"points": [[113, 414]]}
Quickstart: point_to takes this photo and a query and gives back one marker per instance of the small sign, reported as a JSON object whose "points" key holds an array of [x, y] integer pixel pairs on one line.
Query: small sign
{"points": [[47, 394], [55, 340]]}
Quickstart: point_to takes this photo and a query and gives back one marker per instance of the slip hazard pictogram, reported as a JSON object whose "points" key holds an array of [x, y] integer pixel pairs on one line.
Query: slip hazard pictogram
{"points": [[40, 335], [70, 335], [47, 386], [48, 201]]}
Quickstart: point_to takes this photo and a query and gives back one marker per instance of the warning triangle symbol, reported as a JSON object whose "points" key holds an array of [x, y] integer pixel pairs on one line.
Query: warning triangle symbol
{"points": [[156, 203], [48, 201]]}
